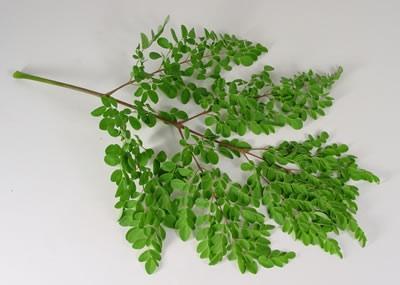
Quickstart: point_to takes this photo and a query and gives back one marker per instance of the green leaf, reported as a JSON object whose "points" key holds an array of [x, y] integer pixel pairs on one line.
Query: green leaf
{"points": [[135, 234], [135, 123], [151, 266], [209, 121], [186, 156], [212, 156], [246, 166], [268, 68], [295, 123], [184, 31], [174, 36], [186, 132], [252, 216], [168, 89], [99, 111], [153, 96], [168, 166], [265, 261], [342, 148], [255, 127], [107, 101], [241, 129], [112, 159], [163, 42], [139, 244], [145, 41], [149, 119], [116, 176], [290, 254], [225, 152], [241, 264], [154, 55], [246, 60], [166, 177], [252, 267], [202, 203], [184, 232], [178, 184], [332, 246], [185, 96], [144, 256], [185, 171]]}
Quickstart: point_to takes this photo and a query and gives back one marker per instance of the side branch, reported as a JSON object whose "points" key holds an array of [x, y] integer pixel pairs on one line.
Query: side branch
{"points": [[130, 82], [120, 87], [195, 116]]}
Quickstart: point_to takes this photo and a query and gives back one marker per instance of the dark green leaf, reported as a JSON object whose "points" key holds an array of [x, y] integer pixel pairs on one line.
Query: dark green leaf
{"points": [[163, 42], [99, 111], [134, 123], [212, 156], [153, 96], [154, 55]]}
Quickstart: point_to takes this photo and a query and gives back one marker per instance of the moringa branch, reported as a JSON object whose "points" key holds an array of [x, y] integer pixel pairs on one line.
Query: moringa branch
{"points": [[305, 187]]}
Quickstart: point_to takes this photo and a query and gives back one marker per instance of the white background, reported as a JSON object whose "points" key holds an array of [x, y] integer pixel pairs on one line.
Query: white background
{"points": [[58, 224]]}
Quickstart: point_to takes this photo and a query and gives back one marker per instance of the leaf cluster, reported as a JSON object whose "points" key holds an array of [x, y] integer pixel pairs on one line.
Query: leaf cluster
{"points": [[303, 188]]}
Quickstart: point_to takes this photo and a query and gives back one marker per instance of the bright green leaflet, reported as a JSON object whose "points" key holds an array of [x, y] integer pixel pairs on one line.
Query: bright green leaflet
{"points": [[306, 187]]}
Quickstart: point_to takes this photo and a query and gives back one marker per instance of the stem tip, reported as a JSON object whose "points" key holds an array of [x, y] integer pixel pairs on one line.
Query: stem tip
{"points": [[18, 74]]}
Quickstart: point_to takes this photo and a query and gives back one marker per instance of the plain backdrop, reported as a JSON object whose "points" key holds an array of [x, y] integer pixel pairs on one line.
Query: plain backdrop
{"points": [[58, 224]]}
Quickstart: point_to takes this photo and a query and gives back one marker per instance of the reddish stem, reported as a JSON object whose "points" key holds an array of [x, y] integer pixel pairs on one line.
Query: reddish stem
{"points": [[195, 116]]}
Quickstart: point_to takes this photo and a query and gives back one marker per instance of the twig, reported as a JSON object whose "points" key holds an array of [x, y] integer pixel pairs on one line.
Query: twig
{"points": [[151, 74], [262, 96], [120, 87], [195, 116]]}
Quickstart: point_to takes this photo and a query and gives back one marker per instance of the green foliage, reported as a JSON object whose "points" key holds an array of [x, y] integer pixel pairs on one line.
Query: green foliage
{"points": [[306, 189]]}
